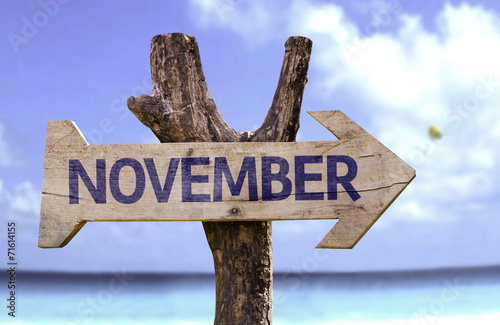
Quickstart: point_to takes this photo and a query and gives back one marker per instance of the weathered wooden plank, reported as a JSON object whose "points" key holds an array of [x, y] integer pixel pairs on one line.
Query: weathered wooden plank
{"points": [[353, 179]]}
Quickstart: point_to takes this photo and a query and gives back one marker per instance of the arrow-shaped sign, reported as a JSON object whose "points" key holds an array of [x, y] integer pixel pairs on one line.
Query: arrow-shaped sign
{"points": [[354, 179]]}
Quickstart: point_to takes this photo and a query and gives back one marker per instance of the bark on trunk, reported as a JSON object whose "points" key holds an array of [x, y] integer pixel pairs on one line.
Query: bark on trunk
{"points": [[180, 109]]}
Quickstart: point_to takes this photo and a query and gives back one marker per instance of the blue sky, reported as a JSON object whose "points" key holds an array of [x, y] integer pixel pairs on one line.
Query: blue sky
{"points": [[394, 67]]}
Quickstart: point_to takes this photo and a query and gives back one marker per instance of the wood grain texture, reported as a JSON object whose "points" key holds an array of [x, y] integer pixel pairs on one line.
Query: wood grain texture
{"points": [[381, 176]]}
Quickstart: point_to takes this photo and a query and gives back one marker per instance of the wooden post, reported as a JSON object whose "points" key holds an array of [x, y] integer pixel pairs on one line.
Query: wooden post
{"points": [[180, 109]]}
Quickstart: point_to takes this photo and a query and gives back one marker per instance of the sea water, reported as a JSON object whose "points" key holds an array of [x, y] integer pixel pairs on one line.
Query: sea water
{"points": [[452, 296]]}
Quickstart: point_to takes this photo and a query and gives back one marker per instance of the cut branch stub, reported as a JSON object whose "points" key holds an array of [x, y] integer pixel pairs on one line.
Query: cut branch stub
{"points": [[282, 120], [180, 108]]}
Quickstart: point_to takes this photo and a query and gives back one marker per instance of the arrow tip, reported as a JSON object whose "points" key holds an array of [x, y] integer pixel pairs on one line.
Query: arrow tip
{"points": [[54, 230]]}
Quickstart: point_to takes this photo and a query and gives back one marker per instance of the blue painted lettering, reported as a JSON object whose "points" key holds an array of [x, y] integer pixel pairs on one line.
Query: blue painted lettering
{"points": [[162, 195], [221, 170], [98, 192], [114, 181], [301, 177], [268, 177], [247, 167], [188, 179], [345, 181]]}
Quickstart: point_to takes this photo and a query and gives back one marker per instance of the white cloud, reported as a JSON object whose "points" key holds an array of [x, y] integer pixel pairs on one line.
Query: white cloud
{"points": [[246, 18], [4, 194], [412, 78], [23, 199], [26, 199], [418, 78], [7, 158]]}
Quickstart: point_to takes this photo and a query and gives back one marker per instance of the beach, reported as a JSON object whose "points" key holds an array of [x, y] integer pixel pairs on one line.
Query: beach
{"points": [[449, 296]]}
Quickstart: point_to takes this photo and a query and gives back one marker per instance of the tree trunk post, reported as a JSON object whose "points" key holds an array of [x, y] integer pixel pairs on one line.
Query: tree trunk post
{"points": [[180, 109]]}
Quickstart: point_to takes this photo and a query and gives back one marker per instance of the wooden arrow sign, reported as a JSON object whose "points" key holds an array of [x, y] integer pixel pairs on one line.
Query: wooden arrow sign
{"points": [[354, 179]]}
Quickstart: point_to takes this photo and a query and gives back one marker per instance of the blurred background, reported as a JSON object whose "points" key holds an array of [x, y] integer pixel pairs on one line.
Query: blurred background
{"points": [[421, 77]]}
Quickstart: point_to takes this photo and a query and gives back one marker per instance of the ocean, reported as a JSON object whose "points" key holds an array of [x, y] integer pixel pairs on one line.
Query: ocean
{"points": [[446, 296]]}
